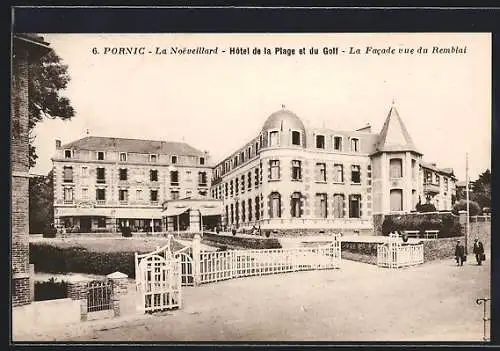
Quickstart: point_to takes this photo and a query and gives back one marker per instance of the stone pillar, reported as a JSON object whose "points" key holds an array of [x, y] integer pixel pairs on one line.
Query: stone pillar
{"points": [[194, 221], [32, 282], [79, 291], [119, 281], [407, 195], [196, 259]]}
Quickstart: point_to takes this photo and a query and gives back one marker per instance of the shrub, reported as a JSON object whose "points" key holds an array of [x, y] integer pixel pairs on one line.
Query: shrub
{"points": [[127, 232], [447, 224], [461, 205], [51, 259], [425, 208], [51, 290]]}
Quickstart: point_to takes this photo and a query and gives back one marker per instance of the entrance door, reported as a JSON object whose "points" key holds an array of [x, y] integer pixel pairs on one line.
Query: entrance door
{"points": [[85, 224]]}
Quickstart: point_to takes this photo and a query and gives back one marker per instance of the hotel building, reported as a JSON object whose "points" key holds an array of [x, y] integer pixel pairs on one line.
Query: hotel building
{"points": [[290, 177], [102, 184]]}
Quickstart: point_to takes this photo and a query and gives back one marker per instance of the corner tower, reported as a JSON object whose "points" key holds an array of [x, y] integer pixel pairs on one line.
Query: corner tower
{"points": [[395, 162]]}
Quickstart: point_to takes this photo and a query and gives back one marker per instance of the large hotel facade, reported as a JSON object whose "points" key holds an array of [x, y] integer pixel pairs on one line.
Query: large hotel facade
{"points": [[288, 177]]}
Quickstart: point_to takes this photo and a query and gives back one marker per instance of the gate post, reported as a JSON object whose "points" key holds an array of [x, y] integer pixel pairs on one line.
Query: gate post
{"points": [[196, 259]]}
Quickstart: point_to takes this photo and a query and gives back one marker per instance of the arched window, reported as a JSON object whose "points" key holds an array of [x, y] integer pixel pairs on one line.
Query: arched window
{"points": [[396, 168], [396, 200], [275, 205], [296, 205]]}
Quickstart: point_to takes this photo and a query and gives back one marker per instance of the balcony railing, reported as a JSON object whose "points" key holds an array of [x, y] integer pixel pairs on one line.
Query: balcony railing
{"points": [[431, 188], [101, 181], [101, 202], [154, 203], [68, 180], [68, 202]]}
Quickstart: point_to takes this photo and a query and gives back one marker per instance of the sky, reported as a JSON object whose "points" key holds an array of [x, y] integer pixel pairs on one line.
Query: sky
{"points": [[219, 102]]}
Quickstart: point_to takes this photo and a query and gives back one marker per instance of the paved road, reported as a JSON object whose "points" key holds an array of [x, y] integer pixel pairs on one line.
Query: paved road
{"points": [[359, 302]]}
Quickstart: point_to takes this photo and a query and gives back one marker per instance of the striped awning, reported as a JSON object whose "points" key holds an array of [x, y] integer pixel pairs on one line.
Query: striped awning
{"points": [[138, 213]]}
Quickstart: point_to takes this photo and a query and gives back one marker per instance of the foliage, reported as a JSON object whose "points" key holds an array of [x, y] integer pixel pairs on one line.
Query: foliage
{"points": [[41, 197], [447, 224], [461, 205], [51, 259], [48, 77], [241, 242], [127, 232], [481, 189], [425, 208], [51, 290]]}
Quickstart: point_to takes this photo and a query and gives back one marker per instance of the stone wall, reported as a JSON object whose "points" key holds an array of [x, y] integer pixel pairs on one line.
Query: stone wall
{"points": [[439, 249], [313, 232], [235, 242]]}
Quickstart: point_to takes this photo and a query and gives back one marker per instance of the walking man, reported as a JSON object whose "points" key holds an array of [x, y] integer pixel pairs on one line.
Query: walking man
{"points": [[460, 253], [478, 251]]}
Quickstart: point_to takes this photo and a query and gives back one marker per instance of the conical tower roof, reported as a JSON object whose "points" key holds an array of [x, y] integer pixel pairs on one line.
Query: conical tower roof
{"points": [[394, 136]]}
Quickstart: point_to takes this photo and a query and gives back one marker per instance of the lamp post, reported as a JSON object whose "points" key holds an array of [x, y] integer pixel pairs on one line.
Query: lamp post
{"points": [[467, 227]]}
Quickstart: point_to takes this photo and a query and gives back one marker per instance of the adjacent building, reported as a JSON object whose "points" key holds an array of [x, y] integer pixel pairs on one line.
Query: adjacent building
{"points": [[103, 183], [292, 177]]}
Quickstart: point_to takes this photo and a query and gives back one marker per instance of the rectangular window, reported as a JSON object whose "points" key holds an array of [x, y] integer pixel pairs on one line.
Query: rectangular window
{"points": [[226, 193], [355, 174], [249, 209], [296, 170], [123, 174], [249, 151], [174, 177], [67, 153], [202, 178], [257, 177], [242, 157], [242, 183], [320, 172], [354, 206], [321, 203], [437, 179], [100, 155], [154, 195], [338, 205], [85, 193], [68, 174], [257, 208], [123, 157], [236, 186], [275, 170], [320, 141], [174, 195], [68, 195], [138, 194], [123, 195], [100, 195], [202, 160], [85, 171], [231, 188], [295, 138], [249, 180], [174, 159], [428, 177], [338, 173], [413, 169], [396, 167], [273, 138], [337, 143], [153, 158], [153, 175], [354, 145], [243, 211], [101, 175]]}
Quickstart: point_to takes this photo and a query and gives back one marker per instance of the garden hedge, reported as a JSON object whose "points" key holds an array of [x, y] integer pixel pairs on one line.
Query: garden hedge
{"points": [[447, 224], [51, 290], [241, 242]]}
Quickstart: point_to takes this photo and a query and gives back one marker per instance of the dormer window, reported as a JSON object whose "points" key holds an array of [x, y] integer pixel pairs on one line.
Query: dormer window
{"points": [[202, 160], [100, 155], [153, 158], [295, 138], [354, 145], [123, 157], [273, 138], [320, 141], [68, 154], [174, 159], [337, 143]]}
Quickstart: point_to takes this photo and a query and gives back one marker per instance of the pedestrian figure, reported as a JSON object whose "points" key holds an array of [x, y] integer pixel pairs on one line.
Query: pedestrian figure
{"points": [[479, 251], [460, 253]]}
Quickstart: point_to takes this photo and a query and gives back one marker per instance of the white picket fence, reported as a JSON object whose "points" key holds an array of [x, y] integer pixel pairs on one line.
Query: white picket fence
{"points": [[395, 254], [217, 266]]}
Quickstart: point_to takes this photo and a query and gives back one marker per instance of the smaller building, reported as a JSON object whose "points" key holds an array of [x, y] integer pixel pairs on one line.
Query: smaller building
{"points": [[439, 186], [192, 214]]}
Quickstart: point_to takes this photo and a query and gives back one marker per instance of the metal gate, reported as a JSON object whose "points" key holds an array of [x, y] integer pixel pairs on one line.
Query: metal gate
{"points": [[158, 280]]}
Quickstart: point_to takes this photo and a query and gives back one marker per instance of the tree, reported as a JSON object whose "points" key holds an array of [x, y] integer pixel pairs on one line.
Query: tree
{"points": [[481, 189], [48, 77], [461, 205], [41, 197]]}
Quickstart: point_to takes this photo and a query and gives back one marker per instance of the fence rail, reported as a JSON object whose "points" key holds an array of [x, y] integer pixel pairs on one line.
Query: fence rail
{"points": [[217, 266], [394, 254]]}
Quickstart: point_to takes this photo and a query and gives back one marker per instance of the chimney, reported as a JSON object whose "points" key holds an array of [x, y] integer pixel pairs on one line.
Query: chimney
{"points": [[58, 144], [434, 164]]}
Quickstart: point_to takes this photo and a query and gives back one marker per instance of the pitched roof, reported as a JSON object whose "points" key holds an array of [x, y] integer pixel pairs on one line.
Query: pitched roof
{"points": [[95, 143], [394, 136], [433, 167]]}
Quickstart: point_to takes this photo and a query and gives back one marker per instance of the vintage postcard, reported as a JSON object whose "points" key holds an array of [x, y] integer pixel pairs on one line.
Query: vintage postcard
{"points": [[251, 187]]}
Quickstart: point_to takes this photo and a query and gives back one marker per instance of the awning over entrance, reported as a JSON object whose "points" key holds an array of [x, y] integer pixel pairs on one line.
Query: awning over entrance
{"points": [[174, 211], [82, 212], [211, 211]]}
